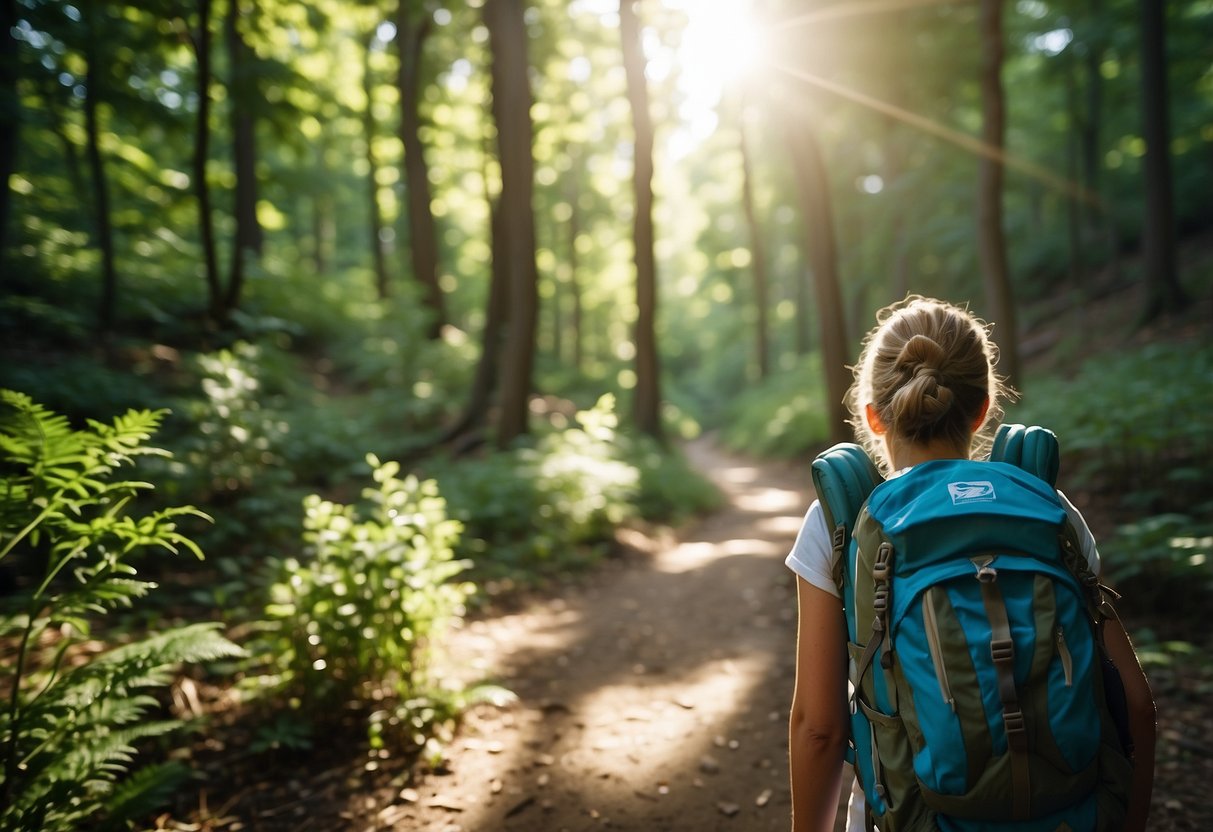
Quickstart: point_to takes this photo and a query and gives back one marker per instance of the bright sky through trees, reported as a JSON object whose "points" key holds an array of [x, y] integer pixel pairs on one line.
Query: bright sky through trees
{"points": [[721, 44]]}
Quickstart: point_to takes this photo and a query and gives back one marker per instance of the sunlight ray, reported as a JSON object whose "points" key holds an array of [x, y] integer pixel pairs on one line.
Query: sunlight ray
{"points": [[962, 140], [855, 8]]}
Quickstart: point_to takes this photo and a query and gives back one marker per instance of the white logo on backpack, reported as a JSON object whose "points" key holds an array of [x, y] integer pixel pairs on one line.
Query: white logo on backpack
{"points": [[976, 491]]}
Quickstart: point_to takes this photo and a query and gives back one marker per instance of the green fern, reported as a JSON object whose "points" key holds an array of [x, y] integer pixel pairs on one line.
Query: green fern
{"points": [[72, 725]]}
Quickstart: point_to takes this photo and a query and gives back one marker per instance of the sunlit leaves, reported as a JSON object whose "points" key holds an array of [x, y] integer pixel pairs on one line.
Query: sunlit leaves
{"points": [[373, 589], [75, 714]]}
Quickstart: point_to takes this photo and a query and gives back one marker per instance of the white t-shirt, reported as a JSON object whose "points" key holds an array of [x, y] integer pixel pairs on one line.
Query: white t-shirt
{"points": [[812, 558]]}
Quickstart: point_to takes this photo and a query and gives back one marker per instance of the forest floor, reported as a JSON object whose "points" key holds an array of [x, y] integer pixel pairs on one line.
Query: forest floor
{"points": [[653, 692], [652, 695]]}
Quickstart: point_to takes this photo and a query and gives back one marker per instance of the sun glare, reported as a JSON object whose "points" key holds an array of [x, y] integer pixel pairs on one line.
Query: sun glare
{"points": [[720, 46]]}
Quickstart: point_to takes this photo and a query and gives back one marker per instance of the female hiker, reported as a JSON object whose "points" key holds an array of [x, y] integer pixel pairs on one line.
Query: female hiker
{"points": [[926, 394]]}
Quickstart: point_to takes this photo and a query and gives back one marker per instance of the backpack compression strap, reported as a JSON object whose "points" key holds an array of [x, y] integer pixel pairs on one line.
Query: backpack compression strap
{"points": [[843, 477]]}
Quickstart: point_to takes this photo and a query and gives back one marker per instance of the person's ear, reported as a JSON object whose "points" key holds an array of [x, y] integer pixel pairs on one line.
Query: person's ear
{"points": [[874, 420], [981, 414]]}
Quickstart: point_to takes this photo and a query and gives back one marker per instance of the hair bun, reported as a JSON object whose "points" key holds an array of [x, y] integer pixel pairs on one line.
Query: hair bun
{"points": [[920, 353], [925, 397]]}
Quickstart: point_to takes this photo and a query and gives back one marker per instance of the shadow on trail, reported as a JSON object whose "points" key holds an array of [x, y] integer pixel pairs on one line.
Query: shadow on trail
{"points": [[655, 697]]}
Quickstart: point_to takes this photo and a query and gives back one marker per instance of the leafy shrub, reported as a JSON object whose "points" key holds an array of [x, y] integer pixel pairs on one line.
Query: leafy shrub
{"points": [[669, 490], [228, 443], [79, 386], [361, 608], [544, 506], [234, 429], [76, 713], [1165, 560], [579, 472], [1134, 421], [785, 416], [1132, 424]]}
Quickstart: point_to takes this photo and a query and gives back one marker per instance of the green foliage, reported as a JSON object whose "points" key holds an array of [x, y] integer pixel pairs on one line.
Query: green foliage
{"points": [[79, 386], [1162, 561], [669, 489], [75, 711], [782, 417], [234, 430], [1135, 421], [373, 589], [1131, 423], [546, 506]]}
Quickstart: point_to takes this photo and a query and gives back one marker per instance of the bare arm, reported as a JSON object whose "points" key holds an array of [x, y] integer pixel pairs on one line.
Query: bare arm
{"points": [[818, 727], [1142, 722]]}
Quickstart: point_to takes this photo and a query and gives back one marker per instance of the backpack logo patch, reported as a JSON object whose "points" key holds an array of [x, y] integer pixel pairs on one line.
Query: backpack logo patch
{"points": [[976, 491]]}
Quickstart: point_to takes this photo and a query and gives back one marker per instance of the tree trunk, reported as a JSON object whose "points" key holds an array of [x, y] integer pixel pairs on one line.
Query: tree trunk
{"points": [[319, 232], [646, 402], [202, 137], [991, 244], [895, 146], [1074, 205], [757, 252], [560, 279], [574, 262], [372, 163], [10, 111], [1099, 220], [1163, 292], [101, 206], [56, 124], [801, 290], [241, 91], [813, 188], [412, 28], [516, 228], [484, 382]]}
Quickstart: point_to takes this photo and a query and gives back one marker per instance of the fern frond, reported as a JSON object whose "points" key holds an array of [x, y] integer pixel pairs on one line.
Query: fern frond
{"points": [[191, 643], [142, 793]]}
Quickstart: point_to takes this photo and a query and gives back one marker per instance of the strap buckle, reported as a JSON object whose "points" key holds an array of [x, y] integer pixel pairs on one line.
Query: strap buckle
{"points": [[1002, 651], [1016, 728]]}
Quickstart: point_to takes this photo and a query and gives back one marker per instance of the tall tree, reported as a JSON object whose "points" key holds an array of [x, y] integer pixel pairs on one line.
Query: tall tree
{"points": [[201, 40], [991, 242], [757, 251], [102, 221], [813, 191], [574, 263], [646, 403], [241, 100], [378, 257], [413, 23], [10, 110], [1163, 292], [514, 232]]}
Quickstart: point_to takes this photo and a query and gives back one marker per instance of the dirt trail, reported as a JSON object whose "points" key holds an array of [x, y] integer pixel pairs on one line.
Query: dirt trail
{"points": [[653, 697]]}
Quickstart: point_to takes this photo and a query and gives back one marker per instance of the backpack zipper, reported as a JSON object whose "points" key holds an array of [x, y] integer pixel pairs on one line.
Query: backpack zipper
{"points": [[931, 627], [1063, 652]]}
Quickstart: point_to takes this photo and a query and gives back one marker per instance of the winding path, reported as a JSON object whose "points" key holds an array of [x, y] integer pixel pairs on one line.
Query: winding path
{"points": [[652, 697]]}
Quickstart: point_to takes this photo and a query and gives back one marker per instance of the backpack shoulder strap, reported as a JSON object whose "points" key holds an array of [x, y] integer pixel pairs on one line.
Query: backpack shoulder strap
{"points": [[1032, 448], [843, 477]]}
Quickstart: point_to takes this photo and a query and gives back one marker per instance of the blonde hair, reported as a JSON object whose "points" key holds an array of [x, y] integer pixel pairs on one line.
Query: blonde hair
{"points": [[926, 369]]}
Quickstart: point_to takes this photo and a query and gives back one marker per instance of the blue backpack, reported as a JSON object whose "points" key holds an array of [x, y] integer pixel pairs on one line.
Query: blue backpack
{"points": [[981, 694]]}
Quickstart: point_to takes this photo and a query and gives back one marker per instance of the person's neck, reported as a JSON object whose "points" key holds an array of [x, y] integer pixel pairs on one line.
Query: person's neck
{"points": [[909, 454]]}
